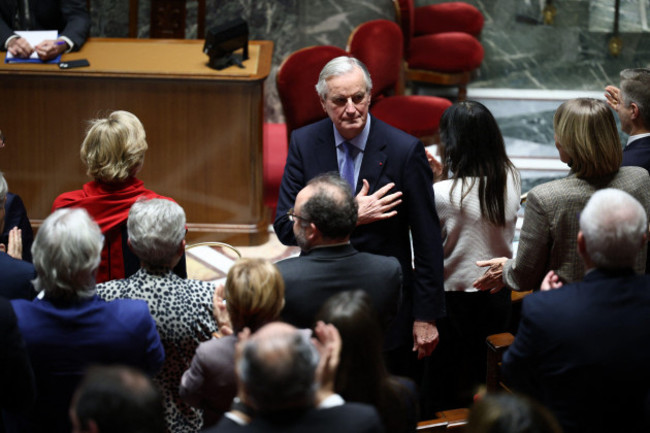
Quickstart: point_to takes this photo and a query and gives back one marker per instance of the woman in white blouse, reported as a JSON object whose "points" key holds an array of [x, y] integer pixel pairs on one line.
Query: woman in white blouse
{"points": [[477, 205]]}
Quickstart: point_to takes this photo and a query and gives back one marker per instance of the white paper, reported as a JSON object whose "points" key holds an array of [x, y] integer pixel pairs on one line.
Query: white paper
{"points": [[35, 37]]}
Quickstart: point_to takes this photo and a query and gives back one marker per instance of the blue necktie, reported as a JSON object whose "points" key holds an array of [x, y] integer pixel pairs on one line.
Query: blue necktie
{"points": [[347, 170]]}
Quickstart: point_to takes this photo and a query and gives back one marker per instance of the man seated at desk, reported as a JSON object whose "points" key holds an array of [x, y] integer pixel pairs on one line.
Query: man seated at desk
{"points": [[69, 17]]}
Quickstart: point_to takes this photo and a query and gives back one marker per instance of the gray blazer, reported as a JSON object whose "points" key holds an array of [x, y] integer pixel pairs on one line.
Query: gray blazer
{"points": [[548, 237]]}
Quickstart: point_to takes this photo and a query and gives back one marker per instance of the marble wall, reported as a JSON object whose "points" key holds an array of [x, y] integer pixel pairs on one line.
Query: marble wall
{"points": [[520, 52]]}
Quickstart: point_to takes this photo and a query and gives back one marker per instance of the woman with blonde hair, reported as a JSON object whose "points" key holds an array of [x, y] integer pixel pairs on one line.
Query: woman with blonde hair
{"points": [[113, 152], [587, 141], [253, 296]]}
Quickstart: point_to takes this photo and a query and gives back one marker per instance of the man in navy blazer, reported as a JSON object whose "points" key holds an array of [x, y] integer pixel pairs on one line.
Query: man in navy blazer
{"points": [[632, 103], [583, 350], [324, 216], [383, 159], [69, 17]]}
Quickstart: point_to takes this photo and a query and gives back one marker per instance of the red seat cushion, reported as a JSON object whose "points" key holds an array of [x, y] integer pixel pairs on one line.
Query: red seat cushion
{"points": [[448, 17], [417, 115], [445, 52], [275, 156]]}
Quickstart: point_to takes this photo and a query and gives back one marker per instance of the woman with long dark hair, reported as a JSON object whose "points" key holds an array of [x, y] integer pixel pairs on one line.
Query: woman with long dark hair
{"points": [[477, 205], [362, 376]]}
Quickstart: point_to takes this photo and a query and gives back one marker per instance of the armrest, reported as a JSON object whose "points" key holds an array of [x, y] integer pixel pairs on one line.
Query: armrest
{"points": [[496, 346], [447, 420], [448, 17]]}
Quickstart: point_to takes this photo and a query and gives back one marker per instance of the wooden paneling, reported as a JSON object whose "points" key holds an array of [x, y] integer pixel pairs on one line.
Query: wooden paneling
{"points": [[204, 135]]}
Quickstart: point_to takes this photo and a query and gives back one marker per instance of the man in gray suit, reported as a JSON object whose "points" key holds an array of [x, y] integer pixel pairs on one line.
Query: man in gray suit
{"points": [[324, 216]]}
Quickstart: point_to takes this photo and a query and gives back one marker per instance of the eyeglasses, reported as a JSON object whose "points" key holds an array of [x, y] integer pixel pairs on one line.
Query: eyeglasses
{"points": [[292, 216], [356, 99]]}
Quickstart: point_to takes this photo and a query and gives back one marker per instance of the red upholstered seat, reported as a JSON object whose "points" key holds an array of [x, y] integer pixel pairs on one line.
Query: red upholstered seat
{"points": [[440, 44], [296, 80], [378, 44]]}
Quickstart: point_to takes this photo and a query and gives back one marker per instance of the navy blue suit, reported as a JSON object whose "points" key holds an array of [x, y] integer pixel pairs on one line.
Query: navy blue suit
{"points": [[390, 156], [16, 278], [637, 153], [63, 339], [584, 351], [69, 17], [16, 216]]}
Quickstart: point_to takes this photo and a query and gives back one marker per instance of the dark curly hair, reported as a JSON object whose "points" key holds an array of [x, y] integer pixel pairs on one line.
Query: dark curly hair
{"points": [[332, 208]]}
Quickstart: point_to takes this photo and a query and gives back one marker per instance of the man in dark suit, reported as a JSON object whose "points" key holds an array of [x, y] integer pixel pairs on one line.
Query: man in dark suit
{"points": [[277, 372], [324, 216], [632, 103], [583, 350], [375, 158], [69, 17], [17, 275]]}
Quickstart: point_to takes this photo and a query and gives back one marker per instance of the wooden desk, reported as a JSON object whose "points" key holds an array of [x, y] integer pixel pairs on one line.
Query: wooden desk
{"points": [[204, 128]]}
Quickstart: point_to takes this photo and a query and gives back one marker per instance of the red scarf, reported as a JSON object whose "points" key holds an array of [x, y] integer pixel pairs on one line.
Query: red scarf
{"points": [[108, 205]]}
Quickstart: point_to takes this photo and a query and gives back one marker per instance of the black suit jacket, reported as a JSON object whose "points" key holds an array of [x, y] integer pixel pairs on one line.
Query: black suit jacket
{"points": [[637, 153], [348, 418], [315, 276], [16, 278], [390, 156], [584, 351], [17, 387], [69, 17], [16, 216]]}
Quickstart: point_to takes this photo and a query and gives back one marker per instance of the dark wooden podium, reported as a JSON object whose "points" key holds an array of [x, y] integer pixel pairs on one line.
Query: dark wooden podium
{"points": [[204, 128]]}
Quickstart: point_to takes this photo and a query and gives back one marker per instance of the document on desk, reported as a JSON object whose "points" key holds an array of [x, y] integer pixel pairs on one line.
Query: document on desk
{"points": [[34, 37]]}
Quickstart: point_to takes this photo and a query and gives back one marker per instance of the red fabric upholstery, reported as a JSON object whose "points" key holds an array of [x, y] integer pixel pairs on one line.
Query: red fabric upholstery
{"points": [[275, 156], [296, 78], [445, 52], [407, 18], [448, 17], [417, 115], [378, 45]]}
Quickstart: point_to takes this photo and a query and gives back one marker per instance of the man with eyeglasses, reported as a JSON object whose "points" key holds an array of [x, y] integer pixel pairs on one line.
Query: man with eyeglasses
{"points": [[324, 216], [388, 171]]}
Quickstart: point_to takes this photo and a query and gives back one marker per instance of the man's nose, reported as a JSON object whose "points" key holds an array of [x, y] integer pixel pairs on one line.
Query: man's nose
{"points": [[349, 106]]}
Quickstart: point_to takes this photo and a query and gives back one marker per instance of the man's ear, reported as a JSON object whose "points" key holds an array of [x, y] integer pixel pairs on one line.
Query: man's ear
{"points": [[128, 242], [322, 104], [582, 246], [635, 112]]}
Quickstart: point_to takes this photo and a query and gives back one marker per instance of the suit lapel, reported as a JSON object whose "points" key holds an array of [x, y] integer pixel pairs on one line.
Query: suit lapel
{"points": [[374, 157], [326, 150]]}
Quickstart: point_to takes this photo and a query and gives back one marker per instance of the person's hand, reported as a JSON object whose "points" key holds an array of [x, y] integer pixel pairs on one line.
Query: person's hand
{"points": [[220, 312], [492, 279], [551, 282], [49, 49], [425, 338], [14, 245], [19, 47], [377, 206], [613, 95], [328, 343], [436, 166]]}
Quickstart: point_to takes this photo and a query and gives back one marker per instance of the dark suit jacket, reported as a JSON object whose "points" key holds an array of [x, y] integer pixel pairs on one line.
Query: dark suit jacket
{"points": [[348, 418], [314, 277], [390, 156], [69, 17], [63, 339], [16, 216], [17, 390], [637, 153], [584, 350], [16, 280]]}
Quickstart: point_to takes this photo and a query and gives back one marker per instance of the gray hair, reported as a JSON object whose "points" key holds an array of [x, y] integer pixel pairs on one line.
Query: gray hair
{"points": [[340, 66], [156, 229], [635, 88], [332, 207], [66, 252], [4, 188], [279, 372], [613, 224]]}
